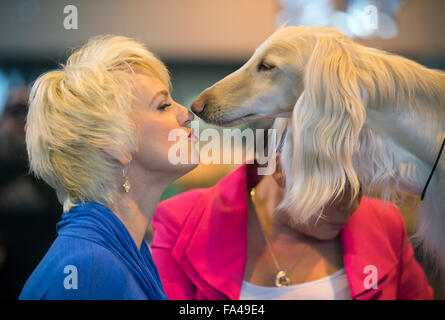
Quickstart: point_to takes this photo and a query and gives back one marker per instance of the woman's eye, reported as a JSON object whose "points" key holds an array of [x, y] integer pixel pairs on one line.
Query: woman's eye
{"points": [[163, 106], [262, 66]]}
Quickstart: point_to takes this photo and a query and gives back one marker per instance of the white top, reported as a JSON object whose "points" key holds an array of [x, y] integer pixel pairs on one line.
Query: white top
{"points": [[332, 287]]}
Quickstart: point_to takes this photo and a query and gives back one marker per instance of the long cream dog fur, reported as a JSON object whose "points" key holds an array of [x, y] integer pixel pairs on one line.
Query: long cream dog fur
{"points": [[348, 116]]}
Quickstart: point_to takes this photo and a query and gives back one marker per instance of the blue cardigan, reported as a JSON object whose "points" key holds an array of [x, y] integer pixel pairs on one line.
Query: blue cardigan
{"points": [[94, 257]]}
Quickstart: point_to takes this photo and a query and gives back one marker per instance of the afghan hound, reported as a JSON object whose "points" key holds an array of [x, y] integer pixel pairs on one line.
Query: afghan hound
{"points": [[348, 116]]}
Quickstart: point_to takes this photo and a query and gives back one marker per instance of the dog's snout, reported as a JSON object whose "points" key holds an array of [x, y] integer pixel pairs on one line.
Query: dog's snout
{"points": [[198, 106]]}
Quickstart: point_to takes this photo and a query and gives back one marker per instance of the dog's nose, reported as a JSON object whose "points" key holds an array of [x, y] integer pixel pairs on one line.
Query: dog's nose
{"points": [[198, 106]]}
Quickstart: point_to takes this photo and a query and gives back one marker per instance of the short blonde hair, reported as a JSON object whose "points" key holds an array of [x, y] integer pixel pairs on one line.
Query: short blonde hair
{"points": [[79, 120]]}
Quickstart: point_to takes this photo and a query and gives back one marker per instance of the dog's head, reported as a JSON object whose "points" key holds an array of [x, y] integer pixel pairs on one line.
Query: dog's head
{"points": [[269, 83], [266, 86], [311, 75]]}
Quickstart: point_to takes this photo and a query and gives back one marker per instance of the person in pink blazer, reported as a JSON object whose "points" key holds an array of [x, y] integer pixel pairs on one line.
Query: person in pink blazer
{"points": [[214, 243]]}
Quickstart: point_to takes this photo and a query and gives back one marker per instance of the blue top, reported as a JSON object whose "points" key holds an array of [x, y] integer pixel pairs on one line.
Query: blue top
{"points": [[94, 257]]}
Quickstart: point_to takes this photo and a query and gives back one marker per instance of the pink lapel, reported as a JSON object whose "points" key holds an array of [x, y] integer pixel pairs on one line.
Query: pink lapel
{"points": [[365, 243], [212, 245]]}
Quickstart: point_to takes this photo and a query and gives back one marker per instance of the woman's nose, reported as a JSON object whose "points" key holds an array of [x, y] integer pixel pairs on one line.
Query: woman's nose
{"points": [[185, 117]]}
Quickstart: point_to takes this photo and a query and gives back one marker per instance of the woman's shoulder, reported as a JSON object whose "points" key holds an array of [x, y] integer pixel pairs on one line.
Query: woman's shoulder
{"points": [[380, 218], [79, 250], [72, 268], [384, 211]]}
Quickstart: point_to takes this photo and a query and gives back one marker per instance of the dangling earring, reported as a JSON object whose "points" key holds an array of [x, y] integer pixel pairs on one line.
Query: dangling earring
{"points": [[126, 184]]}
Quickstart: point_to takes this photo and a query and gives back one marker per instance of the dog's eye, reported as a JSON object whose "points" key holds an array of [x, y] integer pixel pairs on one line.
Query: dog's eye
{"points": [[262, 66]]}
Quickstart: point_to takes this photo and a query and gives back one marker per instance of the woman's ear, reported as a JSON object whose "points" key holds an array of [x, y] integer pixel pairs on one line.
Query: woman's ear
{"points": [[126, 158], [278, 174], [118, 157]]}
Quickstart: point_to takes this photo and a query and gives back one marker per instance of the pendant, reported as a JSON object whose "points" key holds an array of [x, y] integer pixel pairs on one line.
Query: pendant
{"points": [[282, 280]]}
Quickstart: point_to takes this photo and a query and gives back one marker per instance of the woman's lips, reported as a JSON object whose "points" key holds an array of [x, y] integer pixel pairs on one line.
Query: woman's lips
{"points": [[191, 135]]}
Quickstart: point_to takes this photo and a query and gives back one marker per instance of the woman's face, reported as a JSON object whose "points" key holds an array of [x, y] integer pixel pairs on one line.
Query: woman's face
{"points": [[157, 116], [334, 218]]}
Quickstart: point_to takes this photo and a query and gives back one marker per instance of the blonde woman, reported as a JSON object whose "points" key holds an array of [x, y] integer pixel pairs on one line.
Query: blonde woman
{"points": [[97, 132]]}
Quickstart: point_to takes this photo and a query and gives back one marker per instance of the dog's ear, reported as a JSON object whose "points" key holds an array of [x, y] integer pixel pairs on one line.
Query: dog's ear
{"points": [[326, 122]]}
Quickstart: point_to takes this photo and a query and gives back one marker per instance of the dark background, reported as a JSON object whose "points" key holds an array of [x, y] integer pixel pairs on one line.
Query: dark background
{"points": [[200, 41]]}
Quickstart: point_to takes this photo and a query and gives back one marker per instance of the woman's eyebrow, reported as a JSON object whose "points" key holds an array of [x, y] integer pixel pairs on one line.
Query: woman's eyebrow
{"points": [[162, 92]]}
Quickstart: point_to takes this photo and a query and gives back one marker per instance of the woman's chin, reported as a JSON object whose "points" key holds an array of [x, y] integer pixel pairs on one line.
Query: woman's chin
{"points": [[182, 169], [325, 235]]}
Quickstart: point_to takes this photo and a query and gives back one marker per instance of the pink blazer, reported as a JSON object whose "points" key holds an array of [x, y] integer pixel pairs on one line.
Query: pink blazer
{"points": [[200, 245]]}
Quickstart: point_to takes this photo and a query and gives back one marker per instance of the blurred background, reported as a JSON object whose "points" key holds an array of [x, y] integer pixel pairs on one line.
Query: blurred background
{"points": [[200, 41]]}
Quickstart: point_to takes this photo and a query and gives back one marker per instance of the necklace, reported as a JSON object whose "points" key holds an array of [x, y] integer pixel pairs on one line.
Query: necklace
{"points": [[282, 278]]}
